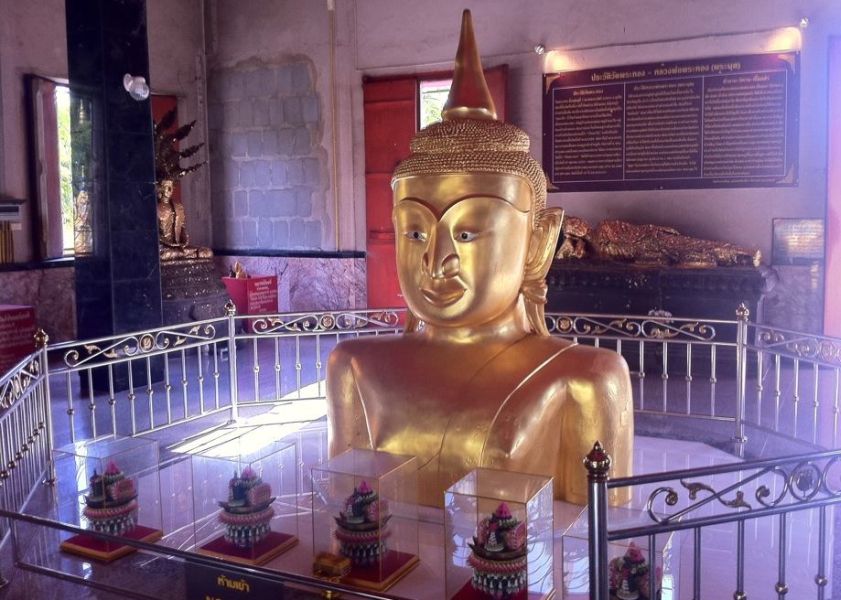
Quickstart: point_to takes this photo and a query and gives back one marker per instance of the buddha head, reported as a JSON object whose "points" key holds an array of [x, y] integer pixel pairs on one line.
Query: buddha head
{"points": [[474, 237], [165, 189]]}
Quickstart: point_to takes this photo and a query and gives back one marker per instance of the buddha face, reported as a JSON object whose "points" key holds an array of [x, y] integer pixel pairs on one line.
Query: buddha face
{"points": [[165, 188], [462, 245]]}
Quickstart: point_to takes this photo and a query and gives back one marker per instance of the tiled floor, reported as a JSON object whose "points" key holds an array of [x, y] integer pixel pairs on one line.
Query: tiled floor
{"points": [[165, 579], [272, 369]]}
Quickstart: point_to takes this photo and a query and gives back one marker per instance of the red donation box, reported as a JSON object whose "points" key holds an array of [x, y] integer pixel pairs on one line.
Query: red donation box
{"points": [[253, 295], [17, 331]]}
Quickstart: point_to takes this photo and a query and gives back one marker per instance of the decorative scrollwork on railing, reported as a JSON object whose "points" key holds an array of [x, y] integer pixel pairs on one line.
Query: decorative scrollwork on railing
{"points": [[693, 488], [804, 482], [799, 345], [800, 483], [328, 322], [138, 344], [19, 383], [625, 327]]}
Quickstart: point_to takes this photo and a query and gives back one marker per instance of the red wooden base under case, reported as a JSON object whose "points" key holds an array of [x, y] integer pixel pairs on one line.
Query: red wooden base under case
{"points": [[102, 550], [393, 566], [271, 546]]}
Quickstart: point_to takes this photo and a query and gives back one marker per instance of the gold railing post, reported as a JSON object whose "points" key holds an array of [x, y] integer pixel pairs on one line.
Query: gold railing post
{"points": [[742, 316], [41, 341], [231, 313]]}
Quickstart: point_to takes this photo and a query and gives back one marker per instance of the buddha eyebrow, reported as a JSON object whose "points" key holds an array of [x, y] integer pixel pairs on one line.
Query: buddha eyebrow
{"points": [[439, 213]]}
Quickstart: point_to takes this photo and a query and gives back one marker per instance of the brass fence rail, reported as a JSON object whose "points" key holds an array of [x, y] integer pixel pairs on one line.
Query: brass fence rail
{"points": [[734, 372]]}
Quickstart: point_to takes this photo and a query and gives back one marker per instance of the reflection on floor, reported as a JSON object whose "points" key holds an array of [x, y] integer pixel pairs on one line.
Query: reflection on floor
{"points": [[164, 578]]}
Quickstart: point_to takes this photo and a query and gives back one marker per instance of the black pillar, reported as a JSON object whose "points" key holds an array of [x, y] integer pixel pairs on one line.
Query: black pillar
{"points": [[118, 283]]}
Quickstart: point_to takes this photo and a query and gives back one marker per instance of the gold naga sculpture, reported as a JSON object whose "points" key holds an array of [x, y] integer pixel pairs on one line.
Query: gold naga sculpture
{"points": [[172, 220], [475, 380], [648, 245]]}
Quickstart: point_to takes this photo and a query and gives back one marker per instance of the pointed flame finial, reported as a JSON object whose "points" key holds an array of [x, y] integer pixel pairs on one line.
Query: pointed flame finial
{"points": [[469, 95]]}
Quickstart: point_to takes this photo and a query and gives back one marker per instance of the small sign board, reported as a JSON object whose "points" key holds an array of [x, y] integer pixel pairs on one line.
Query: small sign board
{"points": [[17, 330], [798, 241], [253, 295], [211, 583]]}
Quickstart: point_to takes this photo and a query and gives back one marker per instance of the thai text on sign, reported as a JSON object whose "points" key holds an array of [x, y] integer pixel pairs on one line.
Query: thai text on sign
{"points": [[722, 122]]}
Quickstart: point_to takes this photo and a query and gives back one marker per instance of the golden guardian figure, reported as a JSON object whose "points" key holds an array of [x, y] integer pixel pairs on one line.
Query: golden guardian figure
{"points": [[476, 380]]}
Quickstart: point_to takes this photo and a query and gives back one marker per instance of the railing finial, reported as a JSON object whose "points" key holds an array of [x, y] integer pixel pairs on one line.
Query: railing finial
{"points": [[597, 462], [743, 312], [230, 308], [41, 338]]}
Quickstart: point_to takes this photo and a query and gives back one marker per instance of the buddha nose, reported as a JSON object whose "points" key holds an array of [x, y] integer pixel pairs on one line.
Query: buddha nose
{"points": [[440, 260]]}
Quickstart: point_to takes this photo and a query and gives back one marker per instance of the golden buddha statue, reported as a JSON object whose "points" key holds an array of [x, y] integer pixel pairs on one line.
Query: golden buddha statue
{"points": [[172, 219], [475, 380], [172, 230]]}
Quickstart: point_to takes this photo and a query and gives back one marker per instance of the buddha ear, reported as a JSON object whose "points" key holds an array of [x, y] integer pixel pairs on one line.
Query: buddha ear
{"points": [[544, 238]]}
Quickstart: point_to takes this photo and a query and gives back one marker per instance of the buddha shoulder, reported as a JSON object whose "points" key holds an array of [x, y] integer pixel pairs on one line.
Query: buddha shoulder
{"points": [[560, 357], [595, 373], [364, 349], [586, 360]]}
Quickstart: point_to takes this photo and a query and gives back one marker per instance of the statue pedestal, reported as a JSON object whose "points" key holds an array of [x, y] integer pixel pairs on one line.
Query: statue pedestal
{"points": [[191, 290], [625, 289]]}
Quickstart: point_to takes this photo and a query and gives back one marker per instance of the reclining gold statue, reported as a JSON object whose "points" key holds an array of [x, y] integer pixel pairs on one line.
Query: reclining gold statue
{"points": [[648, 245], [476, 380]]}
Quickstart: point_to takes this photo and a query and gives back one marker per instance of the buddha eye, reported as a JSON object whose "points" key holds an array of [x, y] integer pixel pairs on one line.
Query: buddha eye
{"points": [[415, 235], [466, 236]]}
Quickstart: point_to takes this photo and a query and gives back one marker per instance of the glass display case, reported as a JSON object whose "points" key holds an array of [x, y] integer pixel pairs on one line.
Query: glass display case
{"points": [[112, 486], [245, 500], [498, 536], [631, 574], [364, 518]]}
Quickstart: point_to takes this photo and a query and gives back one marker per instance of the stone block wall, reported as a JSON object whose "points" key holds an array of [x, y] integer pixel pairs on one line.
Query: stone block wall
{"points": [[268, 169]]}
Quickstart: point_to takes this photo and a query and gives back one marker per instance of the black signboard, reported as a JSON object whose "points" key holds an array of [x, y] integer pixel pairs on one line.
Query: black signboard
{"points": [[718, 122], [797, 241], [209, 583]]}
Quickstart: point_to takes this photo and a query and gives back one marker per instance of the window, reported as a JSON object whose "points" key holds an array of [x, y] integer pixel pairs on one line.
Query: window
{"points": [[64, 220], [62, 101], [433, 95], [50, 126]]}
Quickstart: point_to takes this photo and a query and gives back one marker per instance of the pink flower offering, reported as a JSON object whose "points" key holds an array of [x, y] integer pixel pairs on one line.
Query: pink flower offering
{"points": [[364, 488], [502, 511], [634, 554], [483, 532], [112, 468], [515, 538], [372, 512], [248, 473]]}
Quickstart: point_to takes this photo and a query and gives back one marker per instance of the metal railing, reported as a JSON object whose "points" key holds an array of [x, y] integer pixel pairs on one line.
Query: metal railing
{"points": [[205, 373], [697, 499]]}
